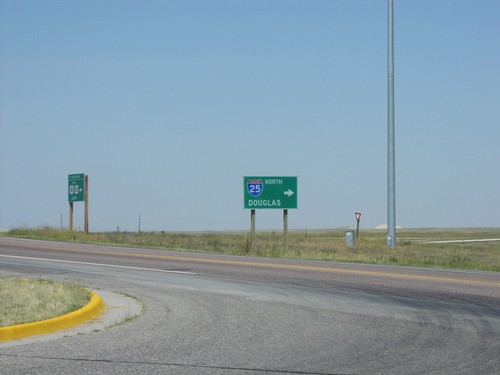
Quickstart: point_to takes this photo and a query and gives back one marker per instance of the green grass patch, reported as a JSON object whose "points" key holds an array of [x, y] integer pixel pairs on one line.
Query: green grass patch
{"points": [[26, 301], [412, 248]]}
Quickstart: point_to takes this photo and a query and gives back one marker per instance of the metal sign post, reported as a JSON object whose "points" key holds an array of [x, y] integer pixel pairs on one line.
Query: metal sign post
{"points": [[358, 217], [252, 231], [285, 230], [71, 216]]}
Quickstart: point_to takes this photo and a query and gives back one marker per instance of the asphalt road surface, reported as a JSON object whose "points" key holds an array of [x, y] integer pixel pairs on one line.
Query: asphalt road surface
{"points": [[207, 314]]}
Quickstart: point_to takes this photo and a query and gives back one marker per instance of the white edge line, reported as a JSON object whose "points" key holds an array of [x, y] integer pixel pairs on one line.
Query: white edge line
{"points": [[464, 241], [100, 264]]}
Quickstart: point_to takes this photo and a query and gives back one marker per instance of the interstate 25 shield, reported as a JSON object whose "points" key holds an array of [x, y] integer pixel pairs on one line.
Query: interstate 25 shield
{"points": [[255, 187]]}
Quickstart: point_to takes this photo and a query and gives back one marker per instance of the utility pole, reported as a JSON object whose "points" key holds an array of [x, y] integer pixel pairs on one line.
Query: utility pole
{"points": [[391, 163]]}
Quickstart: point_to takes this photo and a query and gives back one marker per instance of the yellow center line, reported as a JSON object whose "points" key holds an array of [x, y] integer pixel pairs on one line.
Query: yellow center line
{"points": [[273, 265]]}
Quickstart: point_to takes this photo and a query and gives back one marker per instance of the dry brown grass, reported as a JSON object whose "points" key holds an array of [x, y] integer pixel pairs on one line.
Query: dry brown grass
{"points": [[26, 301], [327, 245]]}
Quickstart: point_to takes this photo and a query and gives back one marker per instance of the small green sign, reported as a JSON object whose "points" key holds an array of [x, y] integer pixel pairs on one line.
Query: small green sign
{"points": [[270, 192], [76, 187]]}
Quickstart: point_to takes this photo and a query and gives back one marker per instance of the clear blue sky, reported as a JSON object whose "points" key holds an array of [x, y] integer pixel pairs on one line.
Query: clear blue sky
{"points": [[166, 105]]}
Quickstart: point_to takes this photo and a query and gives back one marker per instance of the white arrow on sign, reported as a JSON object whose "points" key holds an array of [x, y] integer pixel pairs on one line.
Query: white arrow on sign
{"points": [[289, 193]]}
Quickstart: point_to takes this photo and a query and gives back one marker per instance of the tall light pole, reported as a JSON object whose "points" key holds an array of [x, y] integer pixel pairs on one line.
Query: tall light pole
{"points": [[391, 163]]}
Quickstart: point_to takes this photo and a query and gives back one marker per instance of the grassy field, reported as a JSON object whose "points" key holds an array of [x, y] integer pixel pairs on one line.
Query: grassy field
{"points": [[412, 248], [26, 301]]}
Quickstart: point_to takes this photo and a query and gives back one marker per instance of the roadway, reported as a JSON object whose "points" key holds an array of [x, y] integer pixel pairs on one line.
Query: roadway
{"points": [[207, 314]]}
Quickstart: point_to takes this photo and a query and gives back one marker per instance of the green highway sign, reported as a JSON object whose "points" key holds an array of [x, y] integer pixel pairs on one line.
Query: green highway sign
{"points": [[76, 187], [278, 192]]}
